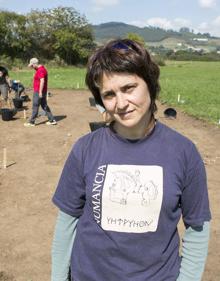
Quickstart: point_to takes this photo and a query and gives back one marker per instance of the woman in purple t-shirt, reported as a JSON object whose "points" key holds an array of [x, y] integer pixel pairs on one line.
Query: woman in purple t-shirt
{"points": [[125, 187]]}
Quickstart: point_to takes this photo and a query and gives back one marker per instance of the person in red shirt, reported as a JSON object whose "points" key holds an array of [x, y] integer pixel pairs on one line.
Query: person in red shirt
{"points": [[40, 81]]}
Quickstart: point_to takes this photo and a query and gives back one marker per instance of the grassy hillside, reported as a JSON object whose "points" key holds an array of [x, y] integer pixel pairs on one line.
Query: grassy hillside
{"points": [[110, 30], [170, 42], [153, 36]]}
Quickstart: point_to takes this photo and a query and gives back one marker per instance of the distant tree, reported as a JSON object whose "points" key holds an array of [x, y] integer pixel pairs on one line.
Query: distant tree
{"points": [[60, 31], [14, 40], [207, 35], [40, 34], [184, 30], [73, 35], [136, 37], [194, 56]]}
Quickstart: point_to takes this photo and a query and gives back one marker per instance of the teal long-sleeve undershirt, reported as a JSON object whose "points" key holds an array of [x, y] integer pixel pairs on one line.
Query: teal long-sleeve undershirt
{"points": [[194, 252], [194, 249], [64, 235]]}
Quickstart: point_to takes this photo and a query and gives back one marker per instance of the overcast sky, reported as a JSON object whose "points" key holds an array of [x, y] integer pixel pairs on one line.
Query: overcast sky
{"points": [[199, 15]]}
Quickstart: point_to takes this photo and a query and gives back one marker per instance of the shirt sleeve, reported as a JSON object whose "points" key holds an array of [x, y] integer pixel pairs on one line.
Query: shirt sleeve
{"points": [[41, 73], [64, 236], [70, 196], [194, 253], [194, 198]]}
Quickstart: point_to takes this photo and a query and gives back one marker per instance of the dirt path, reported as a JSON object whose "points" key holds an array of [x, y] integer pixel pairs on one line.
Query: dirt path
{"points": [[35, 157]]}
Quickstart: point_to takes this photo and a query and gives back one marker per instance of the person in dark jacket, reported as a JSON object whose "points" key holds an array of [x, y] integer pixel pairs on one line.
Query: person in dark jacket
{"points": [[4, 83], [17, 87]]}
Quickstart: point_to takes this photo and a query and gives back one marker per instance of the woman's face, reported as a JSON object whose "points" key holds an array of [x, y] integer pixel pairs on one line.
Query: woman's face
{"points": [[127, 99]]}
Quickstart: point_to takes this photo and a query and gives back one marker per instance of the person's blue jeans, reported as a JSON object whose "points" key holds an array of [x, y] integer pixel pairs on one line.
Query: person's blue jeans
{"points": [[37, 102]]}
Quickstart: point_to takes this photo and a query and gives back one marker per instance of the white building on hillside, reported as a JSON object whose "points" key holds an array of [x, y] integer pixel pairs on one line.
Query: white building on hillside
{"points": [[200, 39]]}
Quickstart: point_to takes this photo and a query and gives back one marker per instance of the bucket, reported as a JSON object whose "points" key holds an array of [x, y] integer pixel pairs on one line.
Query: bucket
{"points": [[92, 101], [170, 112], [96, 125], [24, 98], [18, 103], [7, 114]]}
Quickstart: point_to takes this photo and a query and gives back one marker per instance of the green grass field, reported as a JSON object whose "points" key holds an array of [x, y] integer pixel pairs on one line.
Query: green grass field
{"points": [[59, 78], [196, 83]]}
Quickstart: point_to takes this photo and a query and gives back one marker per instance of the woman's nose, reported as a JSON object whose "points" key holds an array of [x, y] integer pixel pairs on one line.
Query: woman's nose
{"points": [[121, 100]]}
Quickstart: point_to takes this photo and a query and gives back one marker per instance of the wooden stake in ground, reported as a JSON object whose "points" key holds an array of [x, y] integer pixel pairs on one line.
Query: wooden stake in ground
{"points": [[4, 158]]}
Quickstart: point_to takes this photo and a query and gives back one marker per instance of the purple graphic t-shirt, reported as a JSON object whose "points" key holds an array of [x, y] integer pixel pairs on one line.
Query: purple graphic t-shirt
{"points": [[130, 197]]}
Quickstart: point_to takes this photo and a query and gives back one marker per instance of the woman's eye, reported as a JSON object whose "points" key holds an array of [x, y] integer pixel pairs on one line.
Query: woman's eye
{"points": [[129, 88], [109, 95]]}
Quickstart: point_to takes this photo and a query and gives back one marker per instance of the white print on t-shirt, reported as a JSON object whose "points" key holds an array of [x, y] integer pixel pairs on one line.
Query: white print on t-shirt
{"points": [[132, 198], [125, 183], [96, 192]]}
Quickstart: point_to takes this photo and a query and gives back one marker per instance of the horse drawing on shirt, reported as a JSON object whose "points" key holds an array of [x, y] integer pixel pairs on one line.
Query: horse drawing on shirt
{"points": [[125, 183], [148, 192]]}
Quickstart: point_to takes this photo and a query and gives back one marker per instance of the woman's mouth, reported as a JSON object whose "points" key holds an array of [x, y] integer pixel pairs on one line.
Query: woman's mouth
{"points": [[125, 114]]}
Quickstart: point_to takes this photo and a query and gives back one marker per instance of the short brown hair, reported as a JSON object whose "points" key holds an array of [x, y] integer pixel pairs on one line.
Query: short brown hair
{"points": [[123, 56]]}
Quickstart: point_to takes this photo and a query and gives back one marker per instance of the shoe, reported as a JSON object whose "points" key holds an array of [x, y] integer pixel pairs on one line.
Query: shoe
{"points": [[28, 124], [53, 122]]}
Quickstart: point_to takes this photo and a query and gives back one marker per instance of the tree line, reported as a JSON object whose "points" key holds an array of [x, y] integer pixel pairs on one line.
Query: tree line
{"points": [[60, 34]]}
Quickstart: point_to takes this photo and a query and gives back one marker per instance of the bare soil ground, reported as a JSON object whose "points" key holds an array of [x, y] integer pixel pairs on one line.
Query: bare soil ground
{"points": [[35, 157]]}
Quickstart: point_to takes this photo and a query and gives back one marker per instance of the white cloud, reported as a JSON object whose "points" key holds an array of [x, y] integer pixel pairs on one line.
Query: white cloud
{"points": [[99, 5], [179, 22], [104, 3], [216, 22], [203, 26], [212, 27], [160, 22], [207, 3], [164, 23]]}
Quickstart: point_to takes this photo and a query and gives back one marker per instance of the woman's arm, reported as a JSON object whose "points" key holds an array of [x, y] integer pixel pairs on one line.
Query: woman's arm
{"points": [[194, 252], [64, 236]]}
